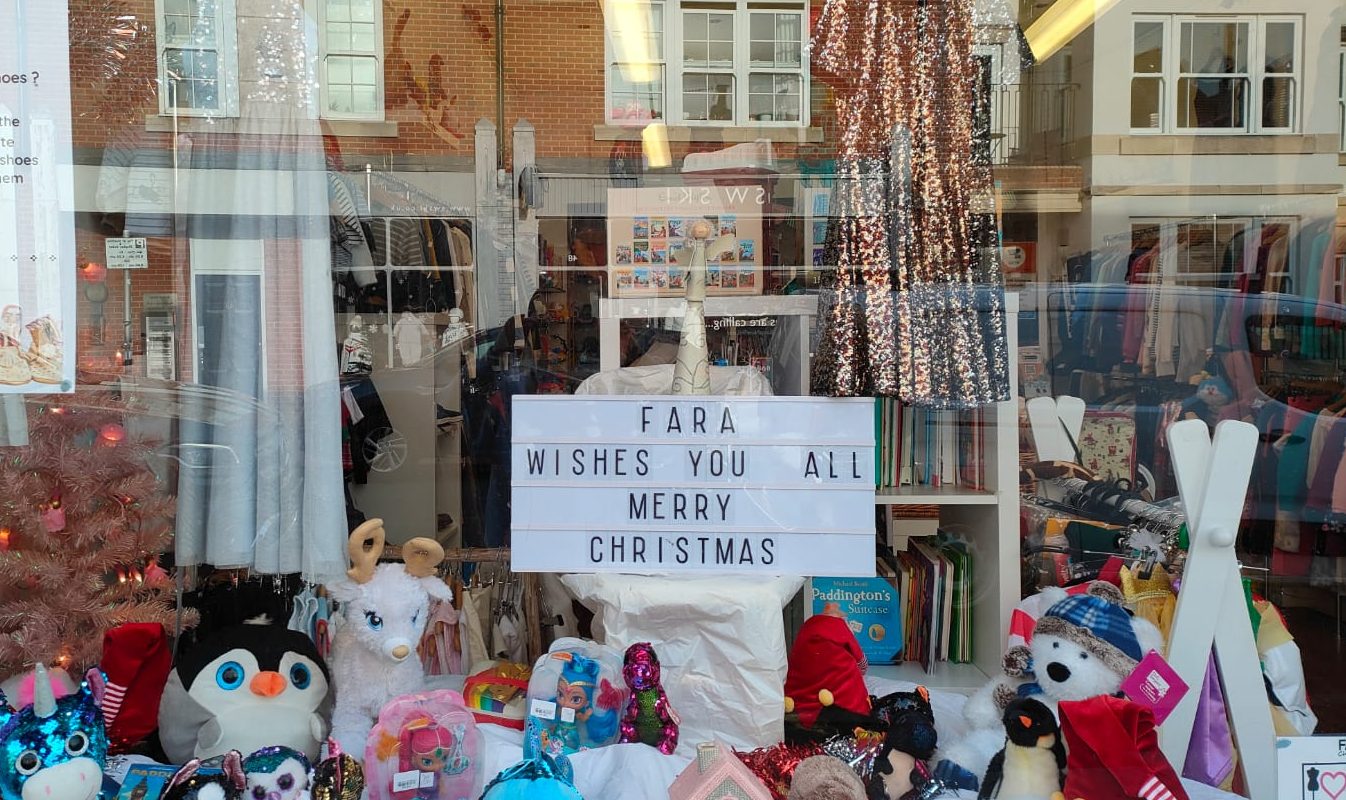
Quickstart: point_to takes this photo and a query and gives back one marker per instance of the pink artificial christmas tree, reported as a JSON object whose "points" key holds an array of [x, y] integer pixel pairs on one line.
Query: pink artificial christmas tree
{"points": [[83, 518]]}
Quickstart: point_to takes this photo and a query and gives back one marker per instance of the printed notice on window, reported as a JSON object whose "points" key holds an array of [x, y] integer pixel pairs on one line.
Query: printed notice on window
{"points": [[37, 225], [772, 486]]}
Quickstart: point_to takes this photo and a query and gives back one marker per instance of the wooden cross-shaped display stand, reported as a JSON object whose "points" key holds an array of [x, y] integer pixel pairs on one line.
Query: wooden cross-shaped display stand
{"points": [[1213, 481]]}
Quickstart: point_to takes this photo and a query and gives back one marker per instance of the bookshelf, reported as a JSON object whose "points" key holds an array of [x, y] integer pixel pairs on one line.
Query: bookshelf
{"points": [[989, 520]]}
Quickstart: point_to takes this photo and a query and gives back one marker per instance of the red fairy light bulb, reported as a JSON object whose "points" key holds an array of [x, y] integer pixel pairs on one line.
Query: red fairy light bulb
{"points": [[93, 272], [111, 434], [6, 537]]}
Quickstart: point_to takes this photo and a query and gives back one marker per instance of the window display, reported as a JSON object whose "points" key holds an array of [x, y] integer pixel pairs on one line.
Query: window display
{"points": [[626, 399]]}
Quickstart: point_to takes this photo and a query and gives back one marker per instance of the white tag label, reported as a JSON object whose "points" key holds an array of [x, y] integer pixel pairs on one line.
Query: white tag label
{"points": [[406, 781], [542, 709], [427, 780], [567, 714]]}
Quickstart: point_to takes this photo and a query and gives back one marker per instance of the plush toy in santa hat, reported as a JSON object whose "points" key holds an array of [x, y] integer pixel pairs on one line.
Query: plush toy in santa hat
{"points": [[825, 690]]}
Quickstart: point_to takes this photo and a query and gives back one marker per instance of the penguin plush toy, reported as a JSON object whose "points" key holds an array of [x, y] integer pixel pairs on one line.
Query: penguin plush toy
{"points": [[1032, 764], [245, 688]]}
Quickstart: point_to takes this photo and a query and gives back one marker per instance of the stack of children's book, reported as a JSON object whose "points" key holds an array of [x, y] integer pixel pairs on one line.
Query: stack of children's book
{"points": [[928, 447], [934, 580]]}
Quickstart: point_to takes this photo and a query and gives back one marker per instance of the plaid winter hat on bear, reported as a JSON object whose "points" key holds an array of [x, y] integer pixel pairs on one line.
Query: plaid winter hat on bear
{"points": [[1096, 624]]}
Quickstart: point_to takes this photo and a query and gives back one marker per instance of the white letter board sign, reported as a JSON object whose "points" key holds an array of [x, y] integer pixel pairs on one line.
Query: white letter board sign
{"points": [[763, 485]]}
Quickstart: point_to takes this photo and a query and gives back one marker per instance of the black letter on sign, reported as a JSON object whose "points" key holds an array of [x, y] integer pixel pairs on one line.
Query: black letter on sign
{"points": [[596, 549], [637, 510], [727, 422]]}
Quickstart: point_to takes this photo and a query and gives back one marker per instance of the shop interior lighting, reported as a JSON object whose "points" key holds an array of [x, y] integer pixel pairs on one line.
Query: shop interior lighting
{"points": [[630, 25], [654, 141], [1061, 23]]}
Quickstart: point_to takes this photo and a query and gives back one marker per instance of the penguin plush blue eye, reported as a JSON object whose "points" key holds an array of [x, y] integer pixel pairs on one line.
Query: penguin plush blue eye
{"points": [[374, 621], [229, 676], [300, 676]]}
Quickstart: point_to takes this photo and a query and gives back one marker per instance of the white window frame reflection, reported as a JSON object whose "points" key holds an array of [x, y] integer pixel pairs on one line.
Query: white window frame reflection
{"points": [[1249, 227], [1341, 99], [327, 52], [224, 47], [1250, 82], [676, 63]]}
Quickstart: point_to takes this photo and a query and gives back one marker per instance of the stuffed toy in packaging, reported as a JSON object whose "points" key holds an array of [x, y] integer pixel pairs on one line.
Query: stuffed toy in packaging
{"points": [[245, 688], [575, 699], [54, 748], [424, 747]]}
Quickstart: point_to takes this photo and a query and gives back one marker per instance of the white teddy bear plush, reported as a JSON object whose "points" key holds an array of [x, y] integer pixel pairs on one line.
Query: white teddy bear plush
{"points": [[1083, 646]]}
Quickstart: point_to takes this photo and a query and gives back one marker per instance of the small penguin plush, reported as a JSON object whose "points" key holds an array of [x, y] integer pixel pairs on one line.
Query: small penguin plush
{"points": [[248, 687], [1032, 764], [189, 783], [278, 773]]}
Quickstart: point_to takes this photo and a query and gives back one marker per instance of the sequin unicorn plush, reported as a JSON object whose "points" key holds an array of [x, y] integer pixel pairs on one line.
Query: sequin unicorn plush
{"points": [[54, 749], [385, 608]]}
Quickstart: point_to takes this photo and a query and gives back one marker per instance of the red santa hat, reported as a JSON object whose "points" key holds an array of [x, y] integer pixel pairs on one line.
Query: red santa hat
{"points": [[826, 657]]}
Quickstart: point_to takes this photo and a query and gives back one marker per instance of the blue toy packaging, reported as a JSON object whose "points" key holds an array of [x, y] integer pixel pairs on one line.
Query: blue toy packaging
{"points": [[575, 699]]}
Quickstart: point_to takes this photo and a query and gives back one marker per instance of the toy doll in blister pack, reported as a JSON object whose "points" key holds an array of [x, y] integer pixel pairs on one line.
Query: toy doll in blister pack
{"points": [[435, 750], [586, 709], [424, 747]]}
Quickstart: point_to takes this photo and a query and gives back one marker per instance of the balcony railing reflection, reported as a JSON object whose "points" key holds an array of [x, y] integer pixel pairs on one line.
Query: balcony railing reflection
{"points": [[1028, 124]]}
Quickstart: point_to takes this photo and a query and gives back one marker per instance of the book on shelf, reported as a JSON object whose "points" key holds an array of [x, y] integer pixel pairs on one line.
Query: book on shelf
{"points": [[872, 608], [934, 581], [927, 447]]}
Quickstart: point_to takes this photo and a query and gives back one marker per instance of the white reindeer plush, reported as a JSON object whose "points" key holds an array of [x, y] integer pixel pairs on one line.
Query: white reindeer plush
{"points": [[385, 609]]}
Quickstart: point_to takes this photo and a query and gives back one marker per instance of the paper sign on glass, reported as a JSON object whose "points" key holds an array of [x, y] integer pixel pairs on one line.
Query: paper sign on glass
{"points": [[1156, 686]]}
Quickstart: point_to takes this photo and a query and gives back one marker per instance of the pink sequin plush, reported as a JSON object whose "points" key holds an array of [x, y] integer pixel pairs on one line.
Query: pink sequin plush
{"points": [[649, 718]]}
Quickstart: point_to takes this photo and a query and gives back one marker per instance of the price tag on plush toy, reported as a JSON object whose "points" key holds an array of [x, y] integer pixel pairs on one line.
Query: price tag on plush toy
{"points": [[1156, 686]]}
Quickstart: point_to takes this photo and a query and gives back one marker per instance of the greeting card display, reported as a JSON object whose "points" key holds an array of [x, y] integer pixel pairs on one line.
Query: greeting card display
{"points": [[648, 227]]}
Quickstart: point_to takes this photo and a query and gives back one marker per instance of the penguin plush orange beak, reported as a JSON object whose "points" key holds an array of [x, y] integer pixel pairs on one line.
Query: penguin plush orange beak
{"points": [[267, 684]]}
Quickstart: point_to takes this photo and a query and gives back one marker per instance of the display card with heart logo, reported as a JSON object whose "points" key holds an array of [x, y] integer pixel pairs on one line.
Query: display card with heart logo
{"points": [[1311, 767]]}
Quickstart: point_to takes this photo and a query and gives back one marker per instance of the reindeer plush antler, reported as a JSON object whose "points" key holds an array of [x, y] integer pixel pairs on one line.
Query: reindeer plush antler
{"points": [[385, 608], [365, 546]]}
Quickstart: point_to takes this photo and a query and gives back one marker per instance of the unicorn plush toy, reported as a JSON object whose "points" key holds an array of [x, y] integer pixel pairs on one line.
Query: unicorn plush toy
{"points": [[54, 749]]}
